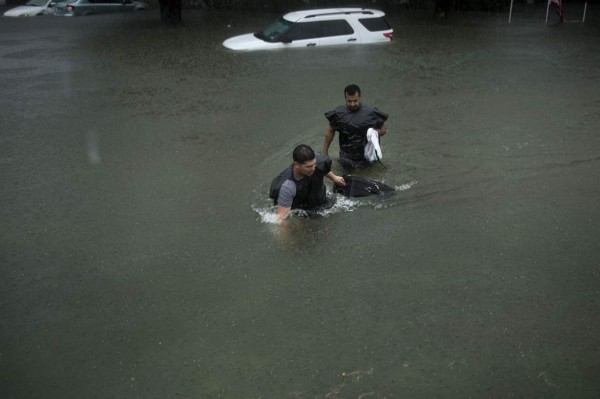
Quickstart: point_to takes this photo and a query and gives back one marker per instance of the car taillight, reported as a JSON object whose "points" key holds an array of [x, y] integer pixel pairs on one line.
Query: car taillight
{"points": [[70, 7], [389, 35]]}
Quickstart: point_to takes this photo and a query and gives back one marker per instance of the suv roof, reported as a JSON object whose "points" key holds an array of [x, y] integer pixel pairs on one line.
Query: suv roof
{"points": [[326, 13]]}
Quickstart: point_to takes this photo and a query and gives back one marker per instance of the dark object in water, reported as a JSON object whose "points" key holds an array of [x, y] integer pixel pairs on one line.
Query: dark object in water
{"points": [[360, 187]]}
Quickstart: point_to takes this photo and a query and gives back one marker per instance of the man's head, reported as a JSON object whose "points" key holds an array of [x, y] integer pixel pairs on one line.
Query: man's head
{"points": [[352, 96], [305, 160]]}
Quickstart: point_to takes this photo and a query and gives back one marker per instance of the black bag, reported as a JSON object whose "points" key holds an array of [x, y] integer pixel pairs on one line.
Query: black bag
{"points": [[360, 187]]}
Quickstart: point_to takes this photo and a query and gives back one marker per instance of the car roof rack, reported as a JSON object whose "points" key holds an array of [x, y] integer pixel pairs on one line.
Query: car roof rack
{"points": [[363, 11]]}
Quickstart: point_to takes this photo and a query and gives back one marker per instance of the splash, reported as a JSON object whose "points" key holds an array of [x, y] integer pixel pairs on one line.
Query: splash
{"points": [[406, 186], [267, 215], [342, 204]]}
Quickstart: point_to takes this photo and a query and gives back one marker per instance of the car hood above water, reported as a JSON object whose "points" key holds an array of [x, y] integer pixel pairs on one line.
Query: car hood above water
{"points": [[26, 11], [247, 42]]}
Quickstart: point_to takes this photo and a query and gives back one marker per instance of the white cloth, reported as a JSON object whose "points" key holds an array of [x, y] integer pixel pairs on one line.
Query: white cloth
{"points": [[372, 149]]}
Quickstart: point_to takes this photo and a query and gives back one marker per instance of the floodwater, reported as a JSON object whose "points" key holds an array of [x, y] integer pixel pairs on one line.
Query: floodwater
{"points": [[139, 258]]}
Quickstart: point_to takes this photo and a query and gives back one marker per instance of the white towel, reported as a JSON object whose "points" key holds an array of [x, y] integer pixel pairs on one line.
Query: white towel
{"points": [[372, 149]]}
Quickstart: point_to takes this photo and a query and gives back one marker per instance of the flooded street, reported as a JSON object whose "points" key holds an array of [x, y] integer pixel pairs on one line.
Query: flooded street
{"points": [[139, 258]]}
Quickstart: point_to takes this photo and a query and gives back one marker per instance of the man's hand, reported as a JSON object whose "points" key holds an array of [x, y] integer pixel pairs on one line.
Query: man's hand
{"points": [[339, 180], [282, 212]]}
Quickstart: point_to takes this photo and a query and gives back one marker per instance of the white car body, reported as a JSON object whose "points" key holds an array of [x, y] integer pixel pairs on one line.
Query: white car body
{"points": [[31, 9], [71, 8], [321, 27]]}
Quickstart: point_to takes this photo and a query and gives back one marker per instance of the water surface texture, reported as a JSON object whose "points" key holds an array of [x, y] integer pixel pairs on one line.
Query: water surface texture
{"points": [[139, 258]]}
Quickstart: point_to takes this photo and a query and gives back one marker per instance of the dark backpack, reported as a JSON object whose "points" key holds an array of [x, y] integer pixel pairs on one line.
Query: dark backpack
{"points": [[360, 187]]}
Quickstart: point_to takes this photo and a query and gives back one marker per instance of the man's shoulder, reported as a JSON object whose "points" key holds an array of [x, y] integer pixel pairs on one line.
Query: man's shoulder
{"points": [[288, 188], [339, 110], [368, 109], [324, 163], [321, 157], [289, 183]]}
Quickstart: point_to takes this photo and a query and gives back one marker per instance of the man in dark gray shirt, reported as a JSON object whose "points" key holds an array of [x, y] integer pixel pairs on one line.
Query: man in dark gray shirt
{"points": [[301, 184], [352, 121]]}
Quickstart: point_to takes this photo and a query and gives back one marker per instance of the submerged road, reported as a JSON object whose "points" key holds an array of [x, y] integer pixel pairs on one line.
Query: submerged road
{"points": [[138, 258]]}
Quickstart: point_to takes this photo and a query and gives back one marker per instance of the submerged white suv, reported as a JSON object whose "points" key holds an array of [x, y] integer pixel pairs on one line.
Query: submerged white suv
{"points": [[323, 27]]}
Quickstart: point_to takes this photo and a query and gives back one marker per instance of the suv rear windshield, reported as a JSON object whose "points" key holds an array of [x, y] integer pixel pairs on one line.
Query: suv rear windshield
{"points": [[375, 24]]}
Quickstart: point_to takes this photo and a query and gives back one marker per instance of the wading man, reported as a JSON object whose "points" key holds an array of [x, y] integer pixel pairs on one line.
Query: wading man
{"points": [[352, 121], [301, 186]]}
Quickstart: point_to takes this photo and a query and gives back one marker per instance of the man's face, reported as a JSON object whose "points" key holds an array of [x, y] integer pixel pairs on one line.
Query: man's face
{"points": [[353, 101], [307, 168]]}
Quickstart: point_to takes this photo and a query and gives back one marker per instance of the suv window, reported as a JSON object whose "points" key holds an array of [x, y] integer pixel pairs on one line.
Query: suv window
{"points": [[338, 27], [375, 24], [304, 30], [316, 29]]}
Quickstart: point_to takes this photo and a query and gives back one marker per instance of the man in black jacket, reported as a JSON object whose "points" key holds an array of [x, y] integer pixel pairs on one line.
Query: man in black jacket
{"points": [[352, 121]]}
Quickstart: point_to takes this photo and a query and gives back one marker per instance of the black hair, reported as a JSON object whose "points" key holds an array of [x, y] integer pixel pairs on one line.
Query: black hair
{"points": [[352, 90], [303, 153]]}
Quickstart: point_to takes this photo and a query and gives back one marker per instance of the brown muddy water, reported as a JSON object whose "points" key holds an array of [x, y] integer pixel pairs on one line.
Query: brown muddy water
{"points": [[138, 255]]}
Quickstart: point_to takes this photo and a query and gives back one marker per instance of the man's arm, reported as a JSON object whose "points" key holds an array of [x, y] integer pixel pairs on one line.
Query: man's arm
{"points": [[282, 212], [287, 192], [339, 180], [329, 135]]}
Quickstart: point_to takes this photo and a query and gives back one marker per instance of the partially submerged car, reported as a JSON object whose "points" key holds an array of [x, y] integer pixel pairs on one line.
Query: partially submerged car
{"points": [[32, 8], [71, 8], [321, 27]]}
